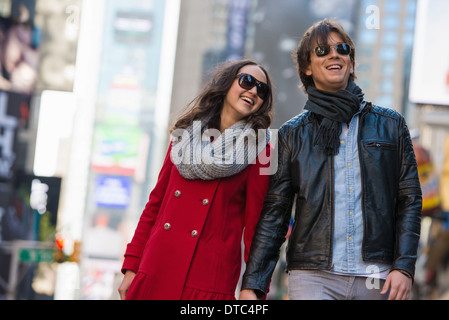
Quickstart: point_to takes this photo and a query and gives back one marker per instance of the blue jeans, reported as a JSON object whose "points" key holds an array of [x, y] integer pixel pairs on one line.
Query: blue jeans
{"points": [[322, 285]]}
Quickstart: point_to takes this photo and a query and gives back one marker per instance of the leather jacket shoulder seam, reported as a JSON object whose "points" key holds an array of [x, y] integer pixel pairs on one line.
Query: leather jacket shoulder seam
{"points": [[386, 112]]}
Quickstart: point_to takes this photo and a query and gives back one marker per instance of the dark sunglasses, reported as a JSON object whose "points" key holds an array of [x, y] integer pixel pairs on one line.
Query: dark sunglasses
{"points": [[247, 82], [342, 48]]}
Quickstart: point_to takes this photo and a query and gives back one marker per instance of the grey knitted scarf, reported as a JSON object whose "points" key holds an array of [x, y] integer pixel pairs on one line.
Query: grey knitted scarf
{"points": [[207, 154]]}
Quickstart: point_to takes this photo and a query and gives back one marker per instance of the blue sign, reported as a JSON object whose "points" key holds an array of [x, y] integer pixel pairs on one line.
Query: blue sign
{"points": [[113, 192]]}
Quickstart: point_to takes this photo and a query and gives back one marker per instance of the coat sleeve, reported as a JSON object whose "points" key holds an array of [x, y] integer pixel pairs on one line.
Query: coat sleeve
{"points": [[272, 227], [256, 190], [135, 248], [408, 217]]}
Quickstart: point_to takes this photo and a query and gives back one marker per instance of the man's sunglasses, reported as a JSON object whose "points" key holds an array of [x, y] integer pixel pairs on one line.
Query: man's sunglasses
{"points": [[342, 48], [247, 82]]}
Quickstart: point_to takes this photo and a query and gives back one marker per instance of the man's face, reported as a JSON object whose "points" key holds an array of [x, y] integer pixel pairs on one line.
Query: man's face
{"points": [[331, 72]]}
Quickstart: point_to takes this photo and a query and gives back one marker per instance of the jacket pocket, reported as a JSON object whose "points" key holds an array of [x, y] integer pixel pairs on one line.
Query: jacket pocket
{"points": [[380, 161], [380, 145], [382, 155]]}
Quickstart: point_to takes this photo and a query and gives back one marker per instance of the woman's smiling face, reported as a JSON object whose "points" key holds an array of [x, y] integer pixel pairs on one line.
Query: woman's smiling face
{"points": [[240, 103]]}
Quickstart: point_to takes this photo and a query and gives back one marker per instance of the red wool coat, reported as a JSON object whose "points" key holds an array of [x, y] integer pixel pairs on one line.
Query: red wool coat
{"points": [[187, 244]]}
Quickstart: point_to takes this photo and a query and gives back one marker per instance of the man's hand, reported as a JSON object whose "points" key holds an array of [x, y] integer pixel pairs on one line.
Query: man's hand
{"points": [[126, 282], [399, 285], [247, 294]]}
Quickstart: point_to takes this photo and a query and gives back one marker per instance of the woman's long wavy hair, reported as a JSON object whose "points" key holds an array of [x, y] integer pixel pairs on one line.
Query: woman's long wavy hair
{"points": [[210, 101]]}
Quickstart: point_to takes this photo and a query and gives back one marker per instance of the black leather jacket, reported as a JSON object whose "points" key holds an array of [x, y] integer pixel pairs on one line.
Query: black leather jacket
{"points": [[391, 198]]}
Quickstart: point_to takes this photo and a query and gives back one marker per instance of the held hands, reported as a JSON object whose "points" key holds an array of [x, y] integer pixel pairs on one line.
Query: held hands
{"points": [[126, 282], [247, 294], [399, 285]]}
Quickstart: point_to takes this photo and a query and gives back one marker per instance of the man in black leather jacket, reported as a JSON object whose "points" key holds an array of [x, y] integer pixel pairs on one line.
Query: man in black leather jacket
{"points": [[350, 168]]}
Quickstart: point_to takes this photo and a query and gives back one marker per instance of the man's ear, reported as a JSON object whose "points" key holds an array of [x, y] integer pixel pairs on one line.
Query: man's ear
{"points": [[308, 70]]}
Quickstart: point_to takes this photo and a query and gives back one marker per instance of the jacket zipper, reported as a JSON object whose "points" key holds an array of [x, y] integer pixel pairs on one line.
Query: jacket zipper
{"points": [[332, 179], [362, 181]]}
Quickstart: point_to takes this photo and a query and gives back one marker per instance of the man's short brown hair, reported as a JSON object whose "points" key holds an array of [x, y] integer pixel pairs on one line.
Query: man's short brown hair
{"points": [[318, 34]]}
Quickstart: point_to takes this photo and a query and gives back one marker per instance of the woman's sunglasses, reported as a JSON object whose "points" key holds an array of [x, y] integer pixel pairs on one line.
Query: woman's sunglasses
{"points": [[247, 82], [342, 48]]}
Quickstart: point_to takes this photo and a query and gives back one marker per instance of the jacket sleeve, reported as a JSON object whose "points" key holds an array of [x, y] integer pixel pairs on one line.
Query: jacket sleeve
{"points": [[408, 216], [135, 248], [272, 226]]}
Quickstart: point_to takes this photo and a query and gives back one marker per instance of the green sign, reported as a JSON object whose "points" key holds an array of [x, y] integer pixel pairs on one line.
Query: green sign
{"points": [[36, 255]]}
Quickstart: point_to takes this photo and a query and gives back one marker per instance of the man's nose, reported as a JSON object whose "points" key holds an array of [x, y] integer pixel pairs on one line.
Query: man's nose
{"points": [[333, 51]]}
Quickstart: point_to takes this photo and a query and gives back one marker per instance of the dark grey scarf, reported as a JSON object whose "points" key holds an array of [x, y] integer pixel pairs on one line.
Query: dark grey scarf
{"points": [[335, 108]]}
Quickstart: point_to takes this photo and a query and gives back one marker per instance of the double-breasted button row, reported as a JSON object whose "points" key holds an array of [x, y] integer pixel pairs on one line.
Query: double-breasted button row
{"points": [[178, 194], [193, 233], [167, 226]]}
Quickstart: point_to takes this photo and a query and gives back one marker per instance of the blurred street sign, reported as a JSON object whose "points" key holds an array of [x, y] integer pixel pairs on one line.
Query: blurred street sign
{"points": [[23, 251], [36, 255]]}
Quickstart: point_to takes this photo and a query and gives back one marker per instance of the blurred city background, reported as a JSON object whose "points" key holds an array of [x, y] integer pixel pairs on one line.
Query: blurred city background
{"points": [[89, 89]]}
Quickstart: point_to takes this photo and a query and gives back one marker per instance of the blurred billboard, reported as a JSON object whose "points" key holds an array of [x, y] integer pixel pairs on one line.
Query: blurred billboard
{"points": [[19, 57], [19, 62], [430, 65]]}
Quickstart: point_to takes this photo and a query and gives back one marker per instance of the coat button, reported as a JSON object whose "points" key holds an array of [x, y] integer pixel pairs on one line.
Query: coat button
{"points": [[167, 226], [205, 202], [194, 233], [177, 193]]}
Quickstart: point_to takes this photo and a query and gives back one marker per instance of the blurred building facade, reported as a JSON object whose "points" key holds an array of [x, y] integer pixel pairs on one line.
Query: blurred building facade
{"points": [[385, 44], [28, 203]]}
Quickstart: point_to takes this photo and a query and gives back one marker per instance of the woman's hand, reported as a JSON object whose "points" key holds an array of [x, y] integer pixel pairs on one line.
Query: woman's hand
{"points": [[126, 282]]}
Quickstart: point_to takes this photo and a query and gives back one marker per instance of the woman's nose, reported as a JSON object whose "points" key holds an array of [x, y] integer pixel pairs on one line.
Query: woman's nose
{"points": [[253, 90]]}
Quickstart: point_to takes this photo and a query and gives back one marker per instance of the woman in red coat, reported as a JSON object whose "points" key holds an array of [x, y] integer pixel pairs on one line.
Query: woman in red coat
{"points": [[210, 191]]}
